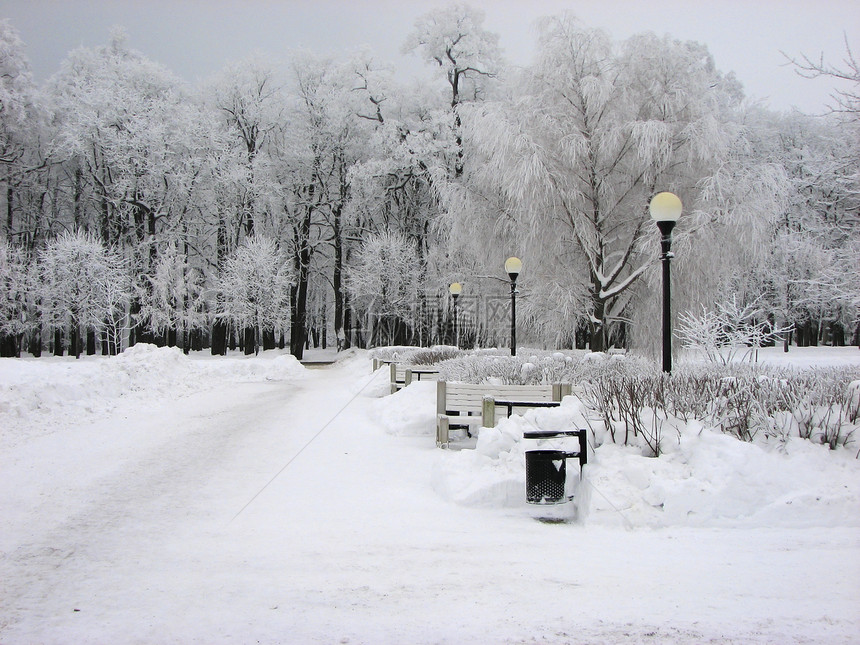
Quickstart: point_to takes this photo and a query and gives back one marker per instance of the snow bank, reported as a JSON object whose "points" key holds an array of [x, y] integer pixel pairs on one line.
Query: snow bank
{"points": [[409, 412], [796, 356], [704, 478], [41, 393]]}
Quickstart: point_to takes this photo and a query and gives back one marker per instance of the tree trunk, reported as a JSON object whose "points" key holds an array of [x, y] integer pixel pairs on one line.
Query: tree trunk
{"points": [[10, 210], [298, 315], [219, 338], [139, 333], [299, 301], [337, 285], [219, 327], [249, 342], [105, 208], [837, 334], [74, 339], [36, 342], [76, 199], [346, 341], [597, 325], [7, 346]]}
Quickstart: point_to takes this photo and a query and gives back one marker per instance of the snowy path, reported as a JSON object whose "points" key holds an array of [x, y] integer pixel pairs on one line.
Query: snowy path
{"points": [[126, 531]]}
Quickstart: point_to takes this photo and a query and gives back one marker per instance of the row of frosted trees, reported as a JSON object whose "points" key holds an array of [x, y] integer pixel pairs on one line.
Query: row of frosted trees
{"points": [[77, 295], [339, 203]]}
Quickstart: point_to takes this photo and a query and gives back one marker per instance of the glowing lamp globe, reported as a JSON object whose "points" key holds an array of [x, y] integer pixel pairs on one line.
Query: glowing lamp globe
{"points": [[513, 266], [665, 207]]}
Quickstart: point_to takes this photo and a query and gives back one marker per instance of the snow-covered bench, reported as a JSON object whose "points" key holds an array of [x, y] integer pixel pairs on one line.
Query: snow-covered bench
{"points": [[468, 405], [379, 362], [403, 375]]}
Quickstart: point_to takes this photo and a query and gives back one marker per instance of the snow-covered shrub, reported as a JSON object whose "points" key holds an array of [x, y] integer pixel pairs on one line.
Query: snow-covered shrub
{"points": [[852, 401], [484, 368], [431, 355], [530, 367], [409, 355], [750, 403], [729, 333], [391, 352], [826, 408], [747, 402], [631, 403]]}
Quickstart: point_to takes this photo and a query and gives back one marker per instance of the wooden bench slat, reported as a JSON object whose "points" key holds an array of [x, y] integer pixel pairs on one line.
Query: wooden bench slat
{"points": [[455, 401]]}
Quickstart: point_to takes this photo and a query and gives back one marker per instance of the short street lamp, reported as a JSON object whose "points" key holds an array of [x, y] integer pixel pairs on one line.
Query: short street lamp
{"points": [[513, 266], [455, 289], [665, 210]]}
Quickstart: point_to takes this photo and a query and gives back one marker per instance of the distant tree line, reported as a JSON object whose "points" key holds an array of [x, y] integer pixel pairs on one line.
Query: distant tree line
{"points": [[318, 201]]}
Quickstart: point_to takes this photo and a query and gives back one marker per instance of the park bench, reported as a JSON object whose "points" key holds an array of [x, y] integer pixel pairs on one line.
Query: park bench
{"points": [[470, 405], [379, 362], [403, 375]]}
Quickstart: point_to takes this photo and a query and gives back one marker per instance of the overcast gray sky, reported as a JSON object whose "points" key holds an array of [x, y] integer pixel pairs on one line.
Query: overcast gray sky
{"points": [[194, 38]]}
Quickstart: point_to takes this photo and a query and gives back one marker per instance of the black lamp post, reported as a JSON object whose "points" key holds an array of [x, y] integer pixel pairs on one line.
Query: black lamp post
{"points": [[513, 266], [665, 210], [455, 289]]}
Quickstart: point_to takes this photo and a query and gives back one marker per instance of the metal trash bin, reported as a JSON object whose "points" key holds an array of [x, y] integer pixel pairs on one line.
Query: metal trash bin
{"points": [[546, 470]]}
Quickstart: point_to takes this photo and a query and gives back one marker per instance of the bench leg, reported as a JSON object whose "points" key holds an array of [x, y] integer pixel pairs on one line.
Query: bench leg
{"points": [[442, 428]]}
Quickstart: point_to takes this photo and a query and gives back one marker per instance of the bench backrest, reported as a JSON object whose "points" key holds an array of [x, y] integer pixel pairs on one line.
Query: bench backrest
{"points": [[398, 374], [469, 397]]}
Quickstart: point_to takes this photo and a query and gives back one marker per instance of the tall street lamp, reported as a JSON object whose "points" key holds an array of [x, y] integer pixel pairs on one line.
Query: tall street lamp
{"points": [[665, 210], [513, 266], [455, 289]]}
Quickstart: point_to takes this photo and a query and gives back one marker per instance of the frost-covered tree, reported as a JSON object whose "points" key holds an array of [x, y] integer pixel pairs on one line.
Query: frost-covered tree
{"points": [[22, 166], [255, 287], [16, 312], [416, 140], [823, 161], [174, 303], [455, 42], [309, 182], [116, 119], [847, 100], [84, 286], [249, 99], [384, 281], [567, 165], [120, 131], [808, 266], [311, 174], [728, 331], [16, 87]]}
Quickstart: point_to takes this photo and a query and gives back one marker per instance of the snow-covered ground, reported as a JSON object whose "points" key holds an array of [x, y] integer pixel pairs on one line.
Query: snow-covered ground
{"points": [[155, 498]]}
